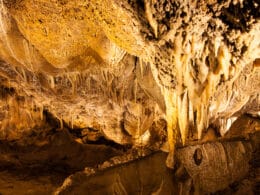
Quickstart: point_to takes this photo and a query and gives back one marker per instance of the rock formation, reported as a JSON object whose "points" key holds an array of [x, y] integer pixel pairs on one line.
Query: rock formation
{"points": [[97, 80]]}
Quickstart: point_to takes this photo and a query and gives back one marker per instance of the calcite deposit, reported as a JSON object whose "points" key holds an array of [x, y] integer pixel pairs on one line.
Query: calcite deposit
{"points": [[128, 76]]}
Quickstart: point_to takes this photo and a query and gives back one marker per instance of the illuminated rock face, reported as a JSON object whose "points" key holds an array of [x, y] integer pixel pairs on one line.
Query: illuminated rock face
{"points": [[139, 73]]}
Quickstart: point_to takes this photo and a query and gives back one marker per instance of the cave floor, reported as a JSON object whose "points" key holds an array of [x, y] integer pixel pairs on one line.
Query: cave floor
{"points": [[62, 165]]}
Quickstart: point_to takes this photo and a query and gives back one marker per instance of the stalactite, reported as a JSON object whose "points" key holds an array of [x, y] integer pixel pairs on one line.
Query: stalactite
{"points": [[28, 54], [3, 21], [135, 89], [183, 116], [70, 78], [30, 115], [16, 70], [223, 61], [141, 67], [139, 121], [104, 75], [24, 74], [5, 25], [71, 118], [61, 122], [230, 121], [72, 121], [200, 120], [88, 84], [41, 112], [150, 18], [172, 120], [74, 80], [52, 81], [191, 114]]}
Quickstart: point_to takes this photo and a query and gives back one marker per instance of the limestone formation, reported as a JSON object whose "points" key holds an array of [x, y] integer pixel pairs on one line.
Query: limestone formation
{"points": [[133, 75]]}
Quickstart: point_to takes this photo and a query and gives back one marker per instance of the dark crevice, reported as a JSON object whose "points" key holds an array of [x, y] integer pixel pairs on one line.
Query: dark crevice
{"points": [[238, 16], [6, 91], [77, 133], [51, 119], [104, 141]]}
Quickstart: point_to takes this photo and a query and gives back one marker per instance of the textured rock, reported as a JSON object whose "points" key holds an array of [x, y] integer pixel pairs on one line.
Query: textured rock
{"points": [[141, 74], [186, 57], [148, 176]]}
